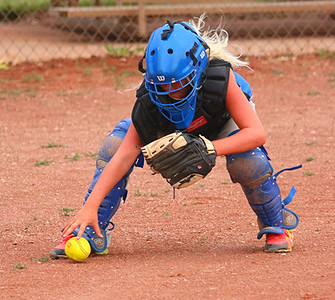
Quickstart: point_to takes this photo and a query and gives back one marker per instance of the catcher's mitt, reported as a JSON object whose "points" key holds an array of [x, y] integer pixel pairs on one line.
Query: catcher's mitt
{"points": [[181, 158]]}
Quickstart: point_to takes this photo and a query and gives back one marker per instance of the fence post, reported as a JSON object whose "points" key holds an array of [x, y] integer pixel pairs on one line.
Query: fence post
{"points": [[74, 3], [55, 2], [141, 18]]}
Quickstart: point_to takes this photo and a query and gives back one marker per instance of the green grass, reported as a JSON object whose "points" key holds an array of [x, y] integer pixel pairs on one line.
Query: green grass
{"points": [[200, 185], [277, 72], [18, 266], [107, 69], [43, 162], [191, 203], [19, 7], [87, 72], [10, 92], [91, 155], [91, 2], [326, 54], [33, 77], [119, 51], [53, 145], [3, 66], [74, 157], [63, 94], [311, 93], [67, 212], [11, 9], [30, 92], [309, 173], [331, 78], [43, 259], [138, 193]]}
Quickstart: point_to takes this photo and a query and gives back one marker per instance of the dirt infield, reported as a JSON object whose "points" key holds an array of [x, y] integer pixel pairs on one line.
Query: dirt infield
{"points": [[200, 245]]}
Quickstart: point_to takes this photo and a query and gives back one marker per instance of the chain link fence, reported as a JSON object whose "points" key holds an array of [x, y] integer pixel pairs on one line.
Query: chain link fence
{"points": [[38, 30]]}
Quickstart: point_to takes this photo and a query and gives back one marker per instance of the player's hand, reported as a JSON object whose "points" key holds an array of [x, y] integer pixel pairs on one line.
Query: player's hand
{"points": [[83, 218]]}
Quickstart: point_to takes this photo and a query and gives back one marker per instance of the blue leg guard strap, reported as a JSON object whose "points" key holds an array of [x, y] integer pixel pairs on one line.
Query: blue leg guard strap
{"points": [[253, 171], [111, 202]]}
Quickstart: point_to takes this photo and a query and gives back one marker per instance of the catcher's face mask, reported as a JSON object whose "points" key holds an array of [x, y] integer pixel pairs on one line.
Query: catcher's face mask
{"points": [[175, 60]]}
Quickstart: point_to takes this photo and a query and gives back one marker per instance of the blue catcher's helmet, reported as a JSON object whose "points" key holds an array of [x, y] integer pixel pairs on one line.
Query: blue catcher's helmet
{"points": [[176, 58]]}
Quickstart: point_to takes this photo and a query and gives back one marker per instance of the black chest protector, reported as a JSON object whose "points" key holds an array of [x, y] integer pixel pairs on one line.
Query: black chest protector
{"points": [[210, 112]]}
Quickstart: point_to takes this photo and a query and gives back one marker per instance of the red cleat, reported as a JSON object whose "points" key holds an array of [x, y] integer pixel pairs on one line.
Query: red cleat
{"points": [[59, 250], [279, 243]]}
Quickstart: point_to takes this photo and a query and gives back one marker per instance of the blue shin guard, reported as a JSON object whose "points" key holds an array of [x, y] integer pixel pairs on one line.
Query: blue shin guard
{"points": [[111, 202], [106, 211], [253, 171]]}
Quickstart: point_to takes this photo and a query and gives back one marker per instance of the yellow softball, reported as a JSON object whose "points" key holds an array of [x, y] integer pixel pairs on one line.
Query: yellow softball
{"points": [[77, 249]]}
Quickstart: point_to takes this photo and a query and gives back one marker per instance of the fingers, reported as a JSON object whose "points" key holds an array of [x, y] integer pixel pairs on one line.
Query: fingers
{"points": [[81, 221], [74, 224], [66, 229], [81, 231], [71, 226], [97, 230]]}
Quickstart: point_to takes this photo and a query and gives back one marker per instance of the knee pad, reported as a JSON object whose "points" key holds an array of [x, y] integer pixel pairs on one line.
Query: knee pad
{"points": [[253, 171], [249, 168], [113, 141]]}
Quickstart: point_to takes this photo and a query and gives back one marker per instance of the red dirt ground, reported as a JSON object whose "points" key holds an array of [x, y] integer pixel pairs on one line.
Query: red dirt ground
{"points": [[200, 245]]}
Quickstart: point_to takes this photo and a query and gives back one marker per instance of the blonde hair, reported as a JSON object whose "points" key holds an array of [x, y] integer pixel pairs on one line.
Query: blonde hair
{"points": [[217, 40]]}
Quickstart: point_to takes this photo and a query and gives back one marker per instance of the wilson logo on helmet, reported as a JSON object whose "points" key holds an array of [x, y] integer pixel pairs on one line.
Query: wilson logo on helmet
{"points": [[161, 78]]}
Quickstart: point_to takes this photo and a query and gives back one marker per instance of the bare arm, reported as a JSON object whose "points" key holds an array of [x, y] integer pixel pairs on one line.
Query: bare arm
{"points": [[251, 134], [117, 167]]}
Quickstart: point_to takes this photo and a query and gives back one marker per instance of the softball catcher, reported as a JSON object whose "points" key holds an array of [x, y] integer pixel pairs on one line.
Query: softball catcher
{"points": [[191, 107]]}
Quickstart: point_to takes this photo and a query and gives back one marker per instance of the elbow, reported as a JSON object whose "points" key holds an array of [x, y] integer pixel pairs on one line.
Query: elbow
{"points": [[261, 138], [258, 137]]}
